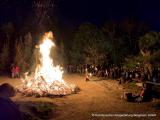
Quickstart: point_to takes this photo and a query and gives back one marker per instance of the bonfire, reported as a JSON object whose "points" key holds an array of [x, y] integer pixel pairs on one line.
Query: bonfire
{"points": [[47, 80]]}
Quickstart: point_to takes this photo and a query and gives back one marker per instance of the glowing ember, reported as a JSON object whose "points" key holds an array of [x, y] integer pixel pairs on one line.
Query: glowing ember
{"points": [[47, 79]]}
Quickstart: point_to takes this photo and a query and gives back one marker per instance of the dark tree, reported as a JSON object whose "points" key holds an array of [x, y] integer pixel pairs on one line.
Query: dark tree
{"points": [[89, 45]]}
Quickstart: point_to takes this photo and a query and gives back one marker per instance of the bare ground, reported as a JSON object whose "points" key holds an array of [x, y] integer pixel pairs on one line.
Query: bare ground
{"points": [[95, 98]]}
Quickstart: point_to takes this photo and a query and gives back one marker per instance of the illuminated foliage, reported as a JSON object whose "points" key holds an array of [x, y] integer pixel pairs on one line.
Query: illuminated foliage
{"points": [[89, 45], [149, 40]]}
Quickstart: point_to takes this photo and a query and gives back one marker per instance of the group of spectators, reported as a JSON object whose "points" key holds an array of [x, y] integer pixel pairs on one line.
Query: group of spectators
{"points": [[15, 71], [138, 74], [124, 75], [75, 68], [141, 74]]}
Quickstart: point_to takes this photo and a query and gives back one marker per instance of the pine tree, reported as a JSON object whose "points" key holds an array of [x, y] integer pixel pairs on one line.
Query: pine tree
{"points": [[19, 60], [4, 57], [28, 56]]}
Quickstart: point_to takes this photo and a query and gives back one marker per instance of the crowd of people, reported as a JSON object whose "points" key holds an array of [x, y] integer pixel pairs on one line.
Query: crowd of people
{"points": [[138, 74], [141, 74], [124, 75], [10, 111]]}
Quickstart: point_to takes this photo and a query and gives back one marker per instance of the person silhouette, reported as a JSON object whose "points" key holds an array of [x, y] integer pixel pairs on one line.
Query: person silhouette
{"points": [[8, 109]]}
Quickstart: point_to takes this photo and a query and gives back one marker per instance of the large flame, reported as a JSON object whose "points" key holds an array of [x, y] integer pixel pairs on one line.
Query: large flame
{"points": [[49, 72], [47, 78]]}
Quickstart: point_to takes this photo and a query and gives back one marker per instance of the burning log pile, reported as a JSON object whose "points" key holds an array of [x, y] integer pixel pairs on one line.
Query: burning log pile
{"points": [[40, 88], [47, 78]]}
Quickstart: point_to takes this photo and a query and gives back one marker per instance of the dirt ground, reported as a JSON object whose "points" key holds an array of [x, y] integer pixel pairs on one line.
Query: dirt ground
{"points": [[96, 100]]}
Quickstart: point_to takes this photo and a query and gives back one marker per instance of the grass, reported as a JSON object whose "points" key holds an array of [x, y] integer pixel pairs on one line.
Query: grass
{"points": [[43, 111]]}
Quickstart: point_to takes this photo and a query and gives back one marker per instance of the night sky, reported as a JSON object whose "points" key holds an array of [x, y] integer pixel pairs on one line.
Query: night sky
{"points": [[71, 13], [98, 11]]}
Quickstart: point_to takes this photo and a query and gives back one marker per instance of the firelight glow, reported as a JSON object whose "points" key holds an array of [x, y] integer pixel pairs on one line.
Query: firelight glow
{"points": [[50, 73], [47, 78]]}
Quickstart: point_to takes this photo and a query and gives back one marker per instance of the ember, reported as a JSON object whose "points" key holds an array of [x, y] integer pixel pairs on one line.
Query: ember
{"points": [[47, 78]]}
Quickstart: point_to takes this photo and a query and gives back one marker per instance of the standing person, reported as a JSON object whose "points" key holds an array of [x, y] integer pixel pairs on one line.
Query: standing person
{"points": [[106, 73], [148, 74], [8, 109], [126, 75], [155, 74], [87, 75], [146, 92], [17, 71], [13, 71], [95, 70]]}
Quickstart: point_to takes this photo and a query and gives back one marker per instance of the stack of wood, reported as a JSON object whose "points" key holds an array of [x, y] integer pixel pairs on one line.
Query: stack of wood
{"points": [[40, 88]]}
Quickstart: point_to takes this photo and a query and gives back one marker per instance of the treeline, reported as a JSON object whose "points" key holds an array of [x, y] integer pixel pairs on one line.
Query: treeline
{"points": [[128, 43], [15, 49], [18, 47]]}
